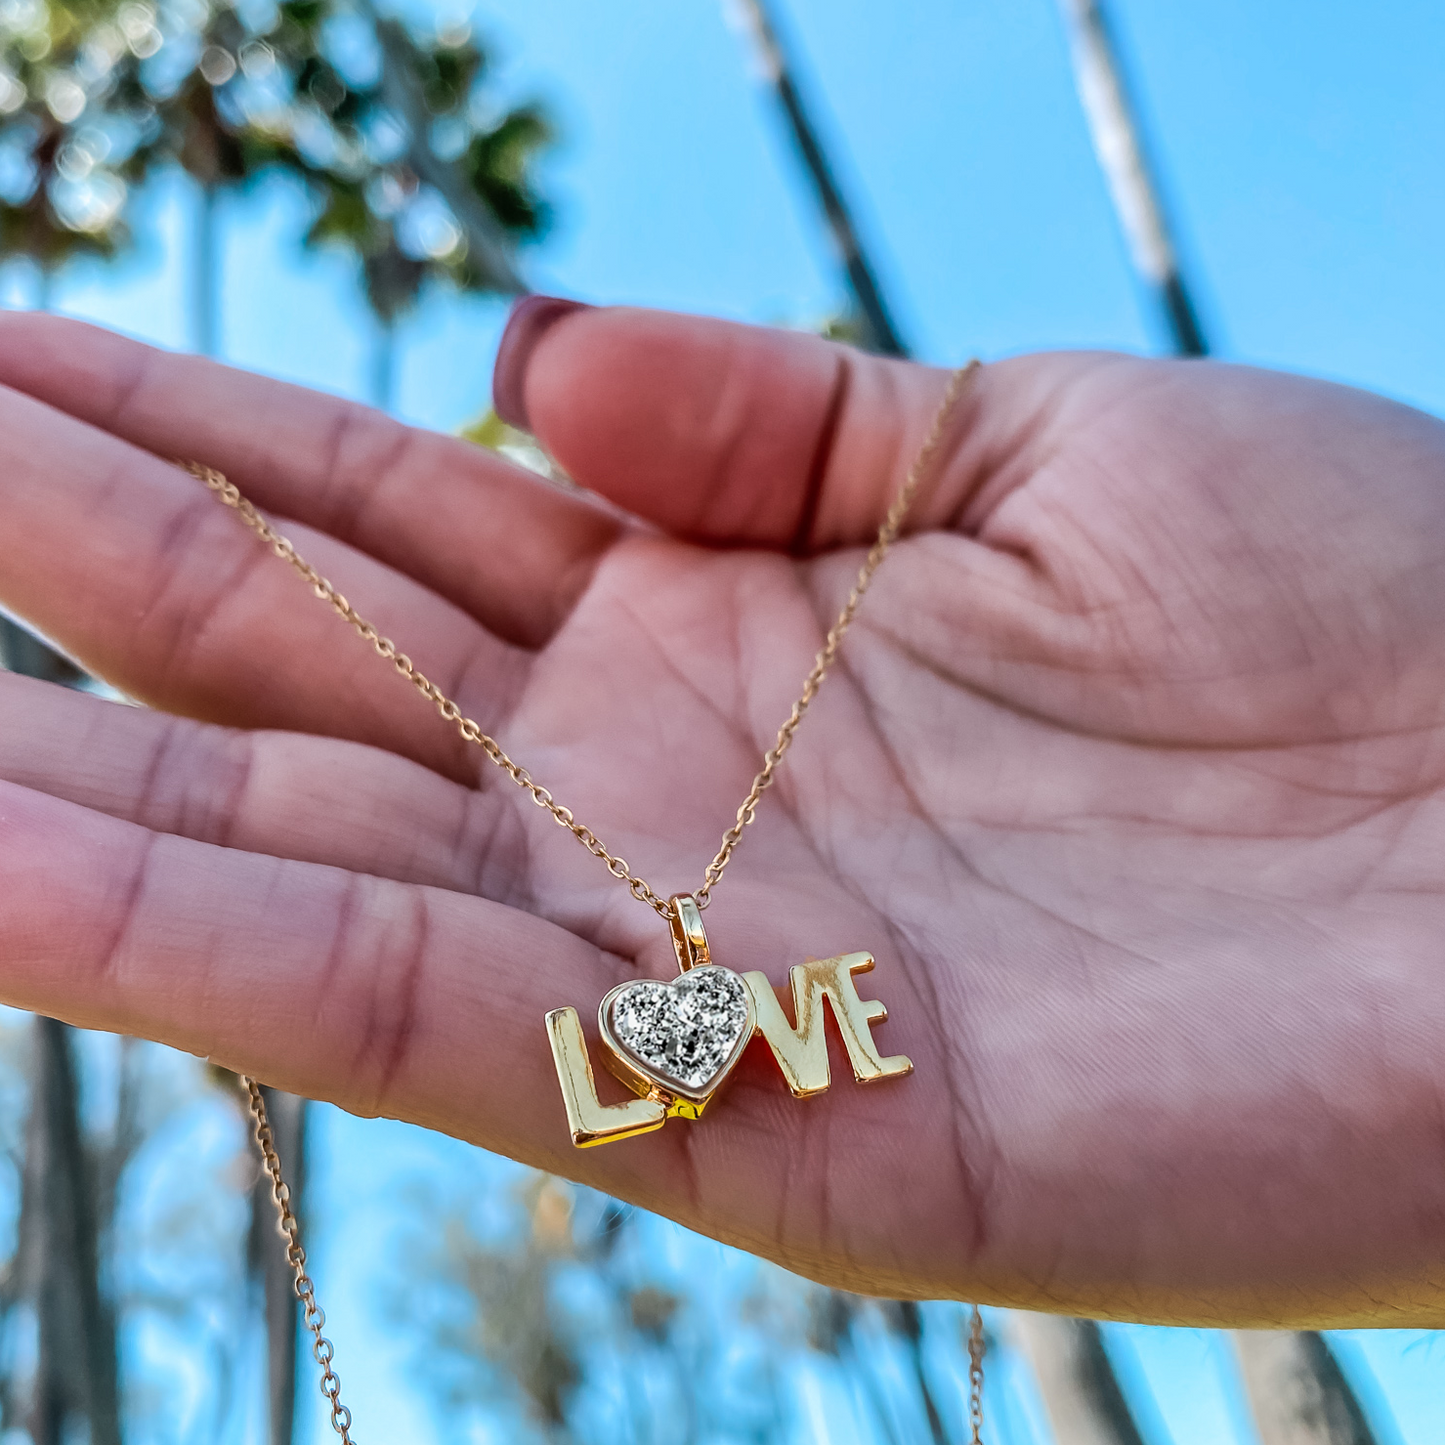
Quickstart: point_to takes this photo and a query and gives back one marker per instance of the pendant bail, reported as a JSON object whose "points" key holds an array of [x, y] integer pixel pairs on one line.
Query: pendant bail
{"points": [[689, 937]]}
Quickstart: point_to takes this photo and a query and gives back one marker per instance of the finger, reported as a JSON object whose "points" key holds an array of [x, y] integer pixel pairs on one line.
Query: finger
{"points": [[390, 999], [134, 568], [733, 434], [511, 550], [283, 794], [339, 986]]}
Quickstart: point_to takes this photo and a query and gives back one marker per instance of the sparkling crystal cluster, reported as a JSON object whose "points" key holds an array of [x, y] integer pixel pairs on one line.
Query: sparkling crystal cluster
{"points": [[686, 1029]]}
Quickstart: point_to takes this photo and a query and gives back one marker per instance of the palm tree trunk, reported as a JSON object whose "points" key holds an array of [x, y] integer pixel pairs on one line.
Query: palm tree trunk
{"points": [[287, 1114], [206, 275], [880, 332], [21, 651], [75, 1373], [907, 1320], [489, 247], [1080, 1391], [1118, 138], [1297, 1391], [383, 365]]}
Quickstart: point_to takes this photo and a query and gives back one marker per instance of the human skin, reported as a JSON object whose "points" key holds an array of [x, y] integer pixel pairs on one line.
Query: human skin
{"points": [[1130, 775]]}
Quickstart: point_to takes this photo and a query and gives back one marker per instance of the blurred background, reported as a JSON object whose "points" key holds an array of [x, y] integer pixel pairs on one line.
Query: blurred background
{"points": [[348, 193]]}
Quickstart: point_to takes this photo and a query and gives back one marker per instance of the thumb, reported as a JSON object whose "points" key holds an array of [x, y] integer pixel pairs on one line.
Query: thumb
{"points": [[730, 434]]}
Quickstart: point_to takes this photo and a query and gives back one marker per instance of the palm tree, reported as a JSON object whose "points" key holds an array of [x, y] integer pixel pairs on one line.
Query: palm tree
{"points": [[448, 202], [73, 111], [266, 1260], [211, 130], [1125, 159], [75, 1377], [1297, 1391], [1080, 1390], [870, 321]]}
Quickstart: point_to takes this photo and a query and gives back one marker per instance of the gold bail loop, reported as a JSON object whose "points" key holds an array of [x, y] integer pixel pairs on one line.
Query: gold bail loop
{"points": [[689, 937]]}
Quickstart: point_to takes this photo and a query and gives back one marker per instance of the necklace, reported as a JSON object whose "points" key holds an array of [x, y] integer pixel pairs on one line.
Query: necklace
{"points": [[672, 1044]]}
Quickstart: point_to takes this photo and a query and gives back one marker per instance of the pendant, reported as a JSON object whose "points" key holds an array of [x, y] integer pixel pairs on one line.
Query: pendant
{"points": [[674, 1044]]}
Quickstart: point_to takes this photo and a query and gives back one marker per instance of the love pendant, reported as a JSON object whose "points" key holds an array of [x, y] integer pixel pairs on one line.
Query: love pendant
{"points": [[674, 1044]]}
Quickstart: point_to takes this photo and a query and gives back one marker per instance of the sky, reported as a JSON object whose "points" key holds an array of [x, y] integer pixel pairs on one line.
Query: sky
{"points": [[1303, 151]]}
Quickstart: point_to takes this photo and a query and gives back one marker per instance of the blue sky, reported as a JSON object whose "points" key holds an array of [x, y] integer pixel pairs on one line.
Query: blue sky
{"points": [[1303, 148], [1304, 152]]}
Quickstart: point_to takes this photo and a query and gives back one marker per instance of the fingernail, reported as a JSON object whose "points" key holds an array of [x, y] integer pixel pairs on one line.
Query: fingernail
{"points": [[532, 317]]}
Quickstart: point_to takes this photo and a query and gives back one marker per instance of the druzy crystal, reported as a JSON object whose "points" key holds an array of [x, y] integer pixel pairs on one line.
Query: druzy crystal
{"points": [[684, 1031]]}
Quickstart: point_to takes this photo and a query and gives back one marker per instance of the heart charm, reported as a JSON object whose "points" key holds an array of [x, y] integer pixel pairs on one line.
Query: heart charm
{"points": [[677, 1041]]}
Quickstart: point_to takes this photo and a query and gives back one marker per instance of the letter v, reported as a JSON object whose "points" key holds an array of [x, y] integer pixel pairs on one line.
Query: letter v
{"points": [[802, 1051]]}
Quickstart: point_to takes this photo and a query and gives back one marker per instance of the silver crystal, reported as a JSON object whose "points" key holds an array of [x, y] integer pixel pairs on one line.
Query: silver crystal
{"points": [[685, 1030]]}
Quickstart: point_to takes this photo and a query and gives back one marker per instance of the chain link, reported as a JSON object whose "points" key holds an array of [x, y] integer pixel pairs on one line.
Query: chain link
{"points": [[290, 1231], [828, 653], [315, 1319], [228, 493], [287, 1224], [977, 1344]]}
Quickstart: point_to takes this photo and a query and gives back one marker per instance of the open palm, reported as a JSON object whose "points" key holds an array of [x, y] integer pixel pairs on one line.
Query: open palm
{"points": [[1130, 776]]}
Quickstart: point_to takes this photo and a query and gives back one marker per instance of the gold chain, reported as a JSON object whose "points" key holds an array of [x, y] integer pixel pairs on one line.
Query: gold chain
{"points": [[887, 536], [290, 1230], [977, 1343], [472, 731]]}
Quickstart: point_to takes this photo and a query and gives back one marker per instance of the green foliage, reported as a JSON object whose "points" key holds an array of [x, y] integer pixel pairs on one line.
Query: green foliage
{"points": [[496, 165], [389, 130], [75, 124], [849, 326], [490, 431]]}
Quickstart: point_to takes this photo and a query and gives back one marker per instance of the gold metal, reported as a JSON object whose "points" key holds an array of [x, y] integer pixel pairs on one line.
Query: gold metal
{"points": [[977, 1344], [887, 536], [802, 1049], [588, 1118], [689, 937], [472, 732], [290, 1231], [679, 1102]]}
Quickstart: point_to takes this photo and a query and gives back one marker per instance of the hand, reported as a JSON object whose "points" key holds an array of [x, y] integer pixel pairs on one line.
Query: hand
{"points": [[1130, 775]]}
